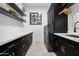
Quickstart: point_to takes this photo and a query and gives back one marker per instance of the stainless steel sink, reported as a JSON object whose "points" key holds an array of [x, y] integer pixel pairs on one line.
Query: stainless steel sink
{"points": [[76, 36]]}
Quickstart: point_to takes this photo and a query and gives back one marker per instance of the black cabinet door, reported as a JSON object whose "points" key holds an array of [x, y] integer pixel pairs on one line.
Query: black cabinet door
{"points": [[74, 52], [13, 52], [56, 23], [58, 46], [60, 21], [51, 18], [10, 52], [71, 50], [24, 44], [65, 47], [29, 39], [10, 48], [22, 50], [46, 42], [51, 14], [17, 47]]}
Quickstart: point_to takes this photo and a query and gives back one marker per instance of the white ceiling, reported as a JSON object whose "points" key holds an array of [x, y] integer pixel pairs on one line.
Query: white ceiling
{"points": [[37, 5]]}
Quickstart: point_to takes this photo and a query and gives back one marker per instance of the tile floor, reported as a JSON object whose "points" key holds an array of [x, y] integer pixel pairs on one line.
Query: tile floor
{"points": [[38, 48]]}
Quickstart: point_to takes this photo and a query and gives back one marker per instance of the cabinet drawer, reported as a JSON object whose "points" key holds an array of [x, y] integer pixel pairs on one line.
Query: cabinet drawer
{"points": [[70, 42], [11, 50], [8, 46], [73, 50]]}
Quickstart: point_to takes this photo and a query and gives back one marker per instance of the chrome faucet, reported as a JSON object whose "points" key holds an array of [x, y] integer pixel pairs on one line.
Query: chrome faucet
{"points": [[75, 26]]}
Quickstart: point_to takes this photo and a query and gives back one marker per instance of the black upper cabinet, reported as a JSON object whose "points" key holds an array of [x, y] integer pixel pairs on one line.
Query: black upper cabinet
{"points": [[14, 6], [67, 5], [51, 18], [51, 14], [12, 13], [60, 21], [57, 23], [7, 13]]}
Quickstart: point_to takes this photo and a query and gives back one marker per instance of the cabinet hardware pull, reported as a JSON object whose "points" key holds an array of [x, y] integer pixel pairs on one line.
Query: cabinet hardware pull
{"points": [[63, 49], [68, 44], [13, 53], [4, 54], [11, 45]]}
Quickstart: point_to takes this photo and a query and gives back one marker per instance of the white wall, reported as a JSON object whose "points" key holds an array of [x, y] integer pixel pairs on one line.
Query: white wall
{"points": [[9, 26], [37, 29], [73, 17]]}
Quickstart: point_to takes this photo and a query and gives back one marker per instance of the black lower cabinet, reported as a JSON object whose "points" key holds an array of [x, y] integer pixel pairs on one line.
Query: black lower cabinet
{"points": [[18, 47], [62, 48], [47, 39], [29, 40], [9, 49], [66, 47], [25, 43]]}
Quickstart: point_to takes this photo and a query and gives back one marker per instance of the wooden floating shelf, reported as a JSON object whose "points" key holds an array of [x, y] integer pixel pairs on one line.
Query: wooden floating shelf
{"points": [[7, 13], [15, 7]]}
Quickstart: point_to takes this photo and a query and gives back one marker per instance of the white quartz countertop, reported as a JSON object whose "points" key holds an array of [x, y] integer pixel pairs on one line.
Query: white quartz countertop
{"points": [[68, 37], [8, 38]]}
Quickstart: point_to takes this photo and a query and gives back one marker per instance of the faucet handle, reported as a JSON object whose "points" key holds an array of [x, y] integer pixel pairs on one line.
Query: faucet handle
{"points": [[74, 29]]}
